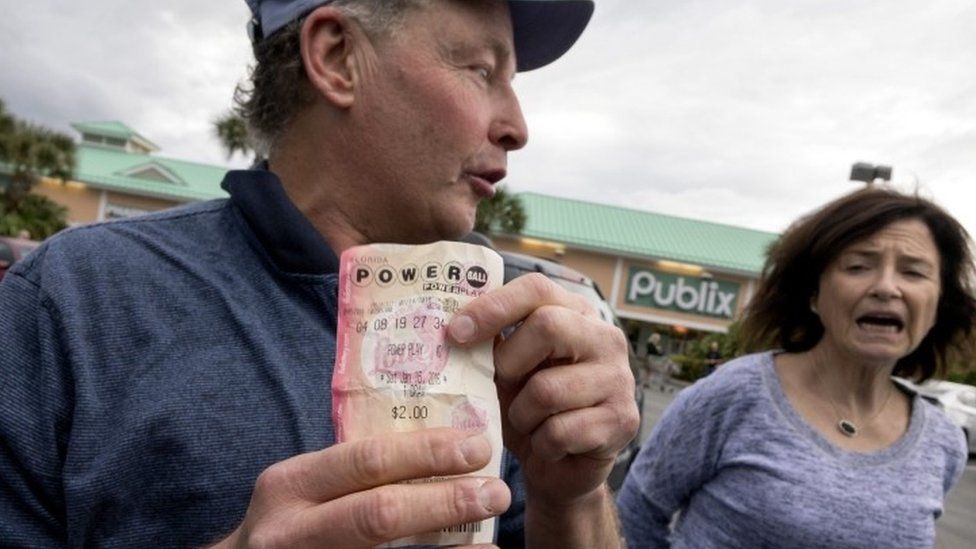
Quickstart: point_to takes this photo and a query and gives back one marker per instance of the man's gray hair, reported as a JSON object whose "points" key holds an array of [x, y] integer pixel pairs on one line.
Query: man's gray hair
{"points": [[278, 89]]}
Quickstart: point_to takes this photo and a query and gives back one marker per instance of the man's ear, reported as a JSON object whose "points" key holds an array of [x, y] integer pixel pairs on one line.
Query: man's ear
{"points": [[327, 53]]}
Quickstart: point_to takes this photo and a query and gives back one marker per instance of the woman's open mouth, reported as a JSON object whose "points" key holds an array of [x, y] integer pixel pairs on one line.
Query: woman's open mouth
{"points": [[881, 323]]}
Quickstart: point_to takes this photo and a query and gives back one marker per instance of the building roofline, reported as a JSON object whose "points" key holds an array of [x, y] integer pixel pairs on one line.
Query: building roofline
{"points": [[647, 213], [97, 127], [632, 255]]}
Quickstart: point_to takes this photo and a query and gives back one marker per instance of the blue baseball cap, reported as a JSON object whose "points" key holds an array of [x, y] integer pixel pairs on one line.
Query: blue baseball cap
{"points": [[543, 29]]}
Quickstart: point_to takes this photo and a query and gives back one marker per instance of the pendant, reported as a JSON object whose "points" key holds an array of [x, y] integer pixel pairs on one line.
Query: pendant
{"points": [[847, 427]]}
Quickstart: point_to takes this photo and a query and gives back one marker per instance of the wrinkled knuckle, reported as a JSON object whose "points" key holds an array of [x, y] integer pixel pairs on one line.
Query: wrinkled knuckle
{"points": [[493, 305], [267, 538], [379, 518], [544, 391], [273, 478], [563, 428], [633, 423], [558, 428], [612, 341], [617, 339], [585, 306], [442, 455], [463, 502], [550, 442], [628, 418], [623, 377], [368, 461], [546, 322], [541, 286]]}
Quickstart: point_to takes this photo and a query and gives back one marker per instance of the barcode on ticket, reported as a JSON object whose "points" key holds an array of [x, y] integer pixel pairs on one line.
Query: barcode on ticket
{"points": [[471, 527]]}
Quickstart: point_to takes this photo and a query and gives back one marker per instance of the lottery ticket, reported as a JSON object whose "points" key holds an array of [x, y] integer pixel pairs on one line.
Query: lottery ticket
{"points": [[395, 368]]}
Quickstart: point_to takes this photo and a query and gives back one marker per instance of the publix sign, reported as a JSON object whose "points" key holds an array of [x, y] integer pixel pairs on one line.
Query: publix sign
{"points": [[688, 294]]}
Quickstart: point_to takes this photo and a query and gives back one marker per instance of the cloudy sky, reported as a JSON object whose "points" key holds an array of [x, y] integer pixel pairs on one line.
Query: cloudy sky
{"points": [[745, 112]]}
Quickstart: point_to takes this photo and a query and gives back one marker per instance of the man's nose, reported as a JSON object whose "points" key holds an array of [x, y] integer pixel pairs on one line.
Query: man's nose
{"points": [[508, 129]]}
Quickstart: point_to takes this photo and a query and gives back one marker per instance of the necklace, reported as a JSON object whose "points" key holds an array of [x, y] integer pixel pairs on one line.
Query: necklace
{"points": [[847, 427]]}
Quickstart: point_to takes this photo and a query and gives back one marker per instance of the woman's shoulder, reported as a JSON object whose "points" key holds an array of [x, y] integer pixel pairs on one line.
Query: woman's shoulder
{"points": [[744, 370], [941, 430], [732, 398], [945, 438], [740, 379]]}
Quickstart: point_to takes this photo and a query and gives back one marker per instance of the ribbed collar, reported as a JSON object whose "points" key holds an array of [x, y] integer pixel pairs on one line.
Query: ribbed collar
{"points": [[289, 237]]}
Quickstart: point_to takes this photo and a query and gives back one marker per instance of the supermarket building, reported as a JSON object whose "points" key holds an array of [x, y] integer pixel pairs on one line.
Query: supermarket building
{"points": [[658, 272]]}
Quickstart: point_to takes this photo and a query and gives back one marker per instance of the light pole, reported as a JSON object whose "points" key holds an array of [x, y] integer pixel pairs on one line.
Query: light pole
{"points": [[868, 173]]}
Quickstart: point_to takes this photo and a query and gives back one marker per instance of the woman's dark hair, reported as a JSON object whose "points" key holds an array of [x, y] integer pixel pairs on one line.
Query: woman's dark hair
{"points": [[779, 314]]}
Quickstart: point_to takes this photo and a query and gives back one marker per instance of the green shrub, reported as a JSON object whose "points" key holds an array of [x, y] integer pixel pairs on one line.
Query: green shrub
{"points": [[690, 368], [968, 378]]}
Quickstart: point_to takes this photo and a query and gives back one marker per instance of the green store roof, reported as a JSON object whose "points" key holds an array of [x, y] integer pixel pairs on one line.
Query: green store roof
{"points": [[112, 128], [644, 234], [126, 172]]}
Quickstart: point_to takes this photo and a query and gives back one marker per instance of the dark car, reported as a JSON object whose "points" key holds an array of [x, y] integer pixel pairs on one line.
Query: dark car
{"points": [[517, 265], [13, 250]]}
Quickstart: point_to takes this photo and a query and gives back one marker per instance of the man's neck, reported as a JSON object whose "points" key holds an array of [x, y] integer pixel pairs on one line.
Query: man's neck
{"points": [[314, 182]]}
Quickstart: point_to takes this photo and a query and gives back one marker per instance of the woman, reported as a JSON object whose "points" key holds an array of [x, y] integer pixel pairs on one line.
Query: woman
{"points": [[815, 445], [656, 365]]}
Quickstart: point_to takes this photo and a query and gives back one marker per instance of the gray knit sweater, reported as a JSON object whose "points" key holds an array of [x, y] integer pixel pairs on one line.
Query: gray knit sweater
{"points": [[743, 469]]}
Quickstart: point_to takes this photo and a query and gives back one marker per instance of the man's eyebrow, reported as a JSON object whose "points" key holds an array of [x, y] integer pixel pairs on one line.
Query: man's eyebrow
{"points": [[501, 50]]}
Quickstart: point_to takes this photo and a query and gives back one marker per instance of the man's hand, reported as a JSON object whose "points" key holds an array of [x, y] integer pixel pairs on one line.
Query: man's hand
{"points": [[565, 385], [347, 495]]}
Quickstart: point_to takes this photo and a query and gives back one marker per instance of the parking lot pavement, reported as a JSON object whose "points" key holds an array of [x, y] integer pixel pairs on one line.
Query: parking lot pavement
{"points": [[655, 401], [956, 529]]}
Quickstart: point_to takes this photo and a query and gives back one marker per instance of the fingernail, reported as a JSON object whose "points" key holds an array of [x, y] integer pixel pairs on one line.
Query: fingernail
{"points": [[462, 328], [476, 450], [493, 495]]}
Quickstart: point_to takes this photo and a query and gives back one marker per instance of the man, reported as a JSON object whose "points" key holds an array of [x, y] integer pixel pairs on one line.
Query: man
{"points": [[713, 358], [167, 379]]}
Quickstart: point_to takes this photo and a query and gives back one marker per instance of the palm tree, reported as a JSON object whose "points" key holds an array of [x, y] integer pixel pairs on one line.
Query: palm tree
{"points": [[503, 212], [28, 153], [6, 124], [231, 130], [37, 216]]}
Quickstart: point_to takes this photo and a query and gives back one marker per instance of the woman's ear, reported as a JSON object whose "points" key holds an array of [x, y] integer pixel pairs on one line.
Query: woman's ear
{"points": [[327, 43]]}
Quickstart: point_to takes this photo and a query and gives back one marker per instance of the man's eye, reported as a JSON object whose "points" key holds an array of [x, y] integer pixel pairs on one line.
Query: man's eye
{"points": [[483, 72]]}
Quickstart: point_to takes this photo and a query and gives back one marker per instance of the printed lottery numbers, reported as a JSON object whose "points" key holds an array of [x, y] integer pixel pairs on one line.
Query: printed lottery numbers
{"points": [[419, 322]]}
